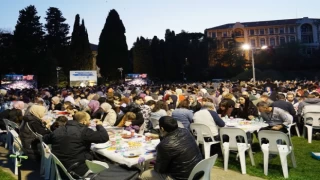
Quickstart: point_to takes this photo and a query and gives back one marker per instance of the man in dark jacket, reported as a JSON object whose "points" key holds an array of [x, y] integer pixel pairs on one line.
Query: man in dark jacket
{"points": [[177, 153], [283, 104], [71, 143]]}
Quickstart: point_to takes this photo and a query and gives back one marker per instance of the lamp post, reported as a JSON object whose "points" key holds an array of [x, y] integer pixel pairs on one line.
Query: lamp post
{"points": [[120, 69], [58, 69], [248, 47]]}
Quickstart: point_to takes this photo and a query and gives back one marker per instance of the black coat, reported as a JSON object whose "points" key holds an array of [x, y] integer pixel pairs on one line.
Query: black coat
{"points": [[177, 154], [71, 144], [29, 127]]}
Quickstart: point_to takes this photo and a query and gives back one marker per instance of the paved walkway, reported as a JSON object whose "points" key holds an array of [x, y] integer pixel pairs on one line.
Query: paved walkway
{"points": [[30, 170]]}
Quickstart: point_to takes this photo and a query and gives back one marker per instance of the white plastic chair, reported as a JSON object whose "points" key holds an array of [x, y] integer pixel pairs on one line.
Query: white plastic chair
{"points": [[8, 124], [273, 148], [233, 133], [204, 166], [58, 163], [201, 131], [311, 112], [17, 150], [292, 124], [46, 159], [96, 166]]}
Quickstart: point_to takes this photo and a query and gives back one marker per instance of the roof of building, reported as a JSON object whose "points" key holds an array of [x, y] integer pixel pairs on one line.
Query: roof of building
{"points": [[94, 47], [262, 23]]}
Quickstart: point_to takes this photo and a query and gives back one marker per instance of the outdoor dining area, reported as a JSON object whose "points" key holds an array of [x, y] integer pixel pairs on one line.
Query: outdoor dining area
{"points": [[139, 150]]}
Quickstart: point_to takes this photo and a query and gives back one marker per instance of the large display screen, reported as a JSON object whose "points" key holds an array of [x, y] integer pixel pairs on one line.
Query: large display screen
{"points": [[136, 79], [18, 81], [83, 78]]}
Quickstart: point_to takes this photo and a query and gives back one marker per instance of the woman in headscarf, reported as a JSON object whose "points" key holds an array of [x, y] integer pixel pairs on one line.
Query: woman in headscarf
{"points": [[194, 105], [56, 104], [110, 116], [94, 107], [32, 124]]}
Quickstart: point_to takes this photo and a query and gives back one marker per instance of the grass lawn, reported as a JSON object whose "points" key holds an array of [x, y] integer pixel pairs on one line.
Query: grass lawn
{"points": [[5, 175], [307, 167]]}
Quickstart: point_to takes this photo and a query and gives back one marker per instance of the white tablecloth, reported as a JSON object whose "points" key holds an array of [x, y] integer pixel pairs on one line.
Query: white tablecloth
{"points": [[251, 126], [119, 158]]}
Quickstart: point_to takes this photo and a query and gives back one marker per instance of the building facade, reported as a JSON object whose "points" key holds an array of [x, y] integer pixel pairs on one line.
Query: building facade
{"points": [[270, 33]]}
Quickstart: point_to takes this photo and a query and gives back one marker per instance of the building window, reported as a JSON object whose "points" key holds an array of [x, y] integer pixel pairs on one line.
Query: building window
{"points": [[272, 42], [276, 30], [306, 33], [251, 32], [271, 31], [292, 39], [225, 34], [291, 29], [225, 44], [213, 34], [261, 31], [262, 42], [238, 33], [253, 43], [281, 30], [282, 40]]}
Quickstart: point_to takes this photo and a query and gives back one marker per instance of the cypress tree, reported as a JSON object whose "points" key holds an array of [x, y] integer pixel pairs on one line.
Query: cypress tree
{"points": [[112, 48]]}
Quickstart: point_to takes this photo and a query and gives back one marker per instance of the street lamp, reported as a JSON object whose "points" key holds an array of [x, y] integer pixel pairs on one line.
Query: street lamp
{"points": [[58, 69], [248, 47], [120, 69]]}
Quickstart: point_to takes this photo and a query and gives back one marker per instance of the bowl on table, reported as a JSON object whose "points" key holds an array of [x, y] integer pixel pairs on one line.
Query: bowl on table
{"points": [[132, 154]]}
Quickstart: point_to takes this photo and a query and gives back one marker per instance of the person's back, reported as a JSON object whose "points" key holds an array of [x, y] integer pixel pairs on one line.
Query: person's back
{"points": [[71, 143], [184, 116], [183, 151]]}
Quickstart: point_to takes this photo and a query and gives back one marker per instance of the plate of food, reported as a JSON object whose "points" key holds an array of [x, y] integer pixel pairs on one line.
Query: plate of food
{"points": [[132, 154], [150, 149]]}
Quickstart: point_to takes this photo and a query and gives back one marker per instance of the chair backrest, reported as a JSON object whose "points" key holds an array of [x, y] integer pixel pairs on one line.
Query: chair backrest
{"points": [[155, 123], [233, 134], [11, 124], [201, 131], [16, 139], [58, 163], [204, 166], [315, 118], [311, 108], [95, 166], [180, 125], [273, 137]]}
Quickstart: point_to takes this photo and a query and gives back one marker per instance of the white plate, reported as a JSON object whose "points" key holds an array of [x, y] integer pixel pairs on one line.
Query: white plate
{"points": [[102, 145], [132, 153], [150, 149]]}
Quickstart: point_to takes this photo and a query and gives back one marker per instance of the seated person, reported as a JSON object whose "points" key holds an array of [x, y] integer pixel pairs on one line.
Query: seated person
{"points": [[60, 121], [177, 153], [127, 122], [32, 124], [71, 143], [209, 117], [277, 118]]}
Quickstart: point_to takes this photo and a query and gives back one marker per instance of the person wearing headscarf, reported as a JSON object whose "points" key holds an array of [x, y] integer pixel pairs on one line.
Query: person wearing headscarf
{"points": [[194, 105], [56, 104], [94, 107], [32, 124], [110, 116]]}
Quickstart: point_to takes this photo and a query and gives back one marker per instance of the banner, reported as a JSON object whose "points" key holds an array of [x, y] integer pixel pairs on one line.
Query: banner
{"points": [[83, 78]]}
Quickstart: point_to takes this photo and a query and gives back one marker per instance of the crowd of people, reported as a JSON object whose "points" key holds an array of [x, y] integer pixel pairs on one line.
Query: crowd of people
{"points": [[157, 109]]}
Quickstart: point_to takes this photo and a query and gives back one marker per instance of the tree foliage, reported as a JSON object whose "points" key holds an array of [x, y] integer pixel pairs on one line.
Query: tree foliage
{"points": [[28, 41], [112, 48], [81, 53]]}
